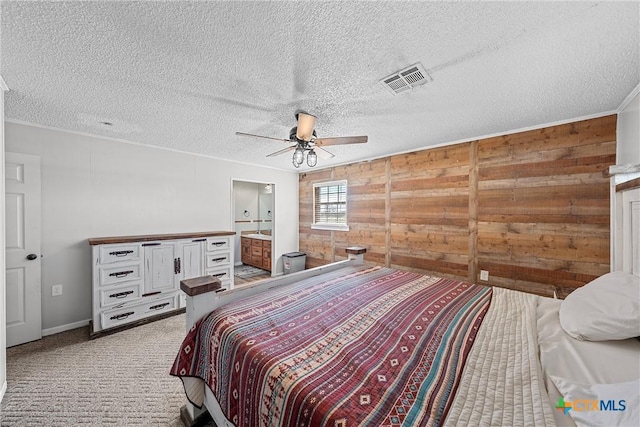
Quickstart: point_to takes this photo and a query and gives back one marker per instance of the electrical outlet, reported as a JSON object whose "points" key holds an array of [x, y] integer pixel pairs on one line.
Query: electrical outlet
{"points": [[484, 275], [56, 290]]}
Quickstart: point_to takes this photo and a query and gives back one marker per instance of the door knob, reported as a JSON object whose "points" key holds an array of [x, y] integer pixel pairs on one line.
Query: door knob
{"points": [[31, 257]]}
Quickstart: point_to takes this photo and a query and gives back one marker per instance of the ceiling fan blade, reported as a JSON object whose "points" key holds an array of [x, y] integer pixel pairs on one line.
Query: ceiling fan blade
{"points": [[285, 150], [322, 153], [306, 122], [341, 140], [260, 136]]}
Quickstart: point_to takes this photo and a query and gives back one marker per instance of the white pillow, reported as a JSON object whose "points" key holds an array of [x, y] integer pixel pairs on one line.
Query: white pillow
{"points": [[607, 308], [617, 404]]}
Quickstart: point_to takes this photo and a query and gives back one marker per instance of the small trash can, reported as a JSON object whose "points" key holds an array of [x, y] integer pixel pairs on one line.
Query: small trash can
{"points": [[294, 261]]}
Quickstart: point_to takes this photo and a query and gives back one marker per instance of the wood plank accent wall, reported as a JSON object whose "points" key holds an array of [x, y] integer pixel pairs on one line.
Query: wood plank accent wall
{"points": [[430, 211], [544, 206], [532, 208]]}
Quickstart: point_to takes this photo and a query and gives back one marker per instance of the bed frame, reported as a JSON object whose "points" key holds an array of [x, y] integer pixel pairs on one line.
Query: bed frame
{"points": [[625, 226], [205, 294]]}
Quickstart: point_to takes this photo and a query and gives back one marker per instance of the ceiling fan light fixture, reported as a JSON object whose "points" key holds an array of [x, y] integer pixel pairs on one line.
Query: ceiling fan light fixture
{"points": [[305, 142], [312, 158], [298, 157], [306, 122]]}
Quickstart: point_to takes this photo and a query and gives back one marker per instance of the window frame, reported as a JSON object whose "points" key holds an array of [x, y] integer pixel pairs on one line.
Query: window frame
{"points": [[334, 226]]}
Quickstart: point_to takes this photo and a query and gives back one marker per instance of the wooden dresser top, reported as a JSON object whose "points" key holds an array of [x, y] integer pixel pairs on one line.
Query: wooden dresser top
{"points": [[151, 237]]}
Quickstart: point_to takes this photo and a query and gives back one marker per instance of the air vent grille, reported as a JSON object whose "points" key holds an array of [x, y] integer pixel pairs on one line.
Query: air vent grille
{"points": [[397, 84], [406, 79]]}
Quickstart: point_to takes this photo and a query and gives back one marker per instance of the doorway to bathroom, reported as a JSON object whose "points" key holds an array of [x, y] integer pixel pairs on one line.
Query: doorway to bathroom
{"points": [[253, 213]]}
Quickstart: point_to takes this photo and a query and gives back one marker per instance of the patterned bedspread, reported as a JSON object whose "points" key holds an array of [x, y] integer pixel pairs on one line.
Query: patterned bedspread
{"points": [[360, 346]]}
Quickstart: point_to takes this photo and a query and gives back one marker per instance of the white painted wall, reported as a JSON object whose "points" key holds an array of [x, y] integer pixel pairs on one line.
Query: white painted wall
{"points": [[3, 289], [627, 154], [628, 149], [96, 187], [246, 195]]}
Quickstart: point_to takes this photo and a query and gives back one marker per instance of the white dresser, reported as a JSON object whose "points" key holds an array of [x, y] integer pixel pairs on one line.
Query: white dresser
{"points": [[137, 278]]}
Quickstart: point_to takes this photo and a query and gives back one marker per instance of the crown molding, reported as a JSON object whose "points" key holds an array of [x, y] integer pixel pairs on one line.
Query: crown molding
{"points": [[139, 144]]}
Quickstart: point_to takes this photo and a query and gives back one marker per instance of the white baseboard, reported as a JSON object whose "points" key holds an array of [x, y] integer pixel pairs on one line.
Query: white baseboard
{"points": [[63, 328], [3, 390]]}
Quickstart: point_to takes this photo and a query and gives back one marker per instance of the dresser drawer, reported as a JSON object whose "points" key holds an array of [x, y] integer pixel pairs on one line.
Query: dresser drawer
{"points": [[266, 244], [125, 315], [218, 259], [159, 306], [256, 251], [113, 274], [119, 317], [224, 274], [118, 253], [217, 243], [121, 294]]}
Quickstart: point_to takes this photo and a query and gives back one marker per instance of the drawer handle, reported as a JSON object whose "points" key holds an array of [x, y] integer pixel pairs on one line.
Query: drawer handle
{"points": [[219, 259], [121, 274], [122, 316], [217, 243], [219, 274], [198, 240], [121, 253], [159, 306], [120, 294]]}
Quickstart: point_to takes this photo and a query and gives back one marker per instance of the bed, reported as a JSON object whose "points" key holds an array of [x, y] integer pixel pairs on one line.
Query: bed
{"points": [[352, 344]]}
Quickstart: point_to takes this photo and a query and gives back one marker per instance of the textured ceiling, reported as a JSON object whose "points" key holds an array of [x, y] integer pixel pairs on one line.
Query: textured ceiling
{"points": [[188, 75]]}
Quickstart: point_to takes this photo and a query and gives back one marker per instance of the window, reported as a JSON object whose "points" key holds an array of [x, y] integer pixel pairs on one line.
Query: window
{"points": [[330, 206]]}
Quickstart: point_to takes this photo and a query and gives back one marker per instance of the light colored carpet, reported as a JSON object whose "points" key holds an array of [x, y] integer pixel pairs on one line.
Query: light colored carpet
{"points": [[116, 380]]}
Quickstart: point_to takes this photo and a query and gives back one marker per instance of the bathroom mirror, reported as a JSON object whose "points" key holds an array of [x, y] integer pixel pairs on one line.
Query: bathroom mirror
{"points": [[253, 206], [265, 207]]}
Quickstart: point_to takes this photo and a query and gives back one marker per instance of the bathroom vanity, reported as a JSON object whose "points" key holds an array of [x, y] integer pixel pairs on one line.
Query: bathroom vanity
{"points": [[256, 250]]}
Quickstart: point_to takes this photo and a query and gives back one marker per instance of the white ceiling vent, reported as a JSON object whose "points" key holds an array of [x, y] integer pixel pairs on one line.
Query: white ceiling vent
{"points": [[406, 79]]}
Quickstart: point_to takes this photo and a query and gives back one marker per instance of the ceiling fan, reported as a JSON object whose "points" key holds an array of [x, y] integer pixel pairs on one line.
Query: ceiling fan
{"points": [[304, 140]]}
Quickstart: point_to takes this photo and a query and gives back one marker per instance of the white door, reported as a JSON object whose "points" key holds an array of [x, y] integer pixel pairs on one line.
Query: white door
{"points": [[22, 230], [160, 265]]}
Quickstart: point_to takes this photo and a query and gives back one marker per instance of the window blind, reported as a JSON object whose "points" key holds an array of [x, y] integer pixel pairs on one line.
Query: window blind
{"points": [[330, 204]]}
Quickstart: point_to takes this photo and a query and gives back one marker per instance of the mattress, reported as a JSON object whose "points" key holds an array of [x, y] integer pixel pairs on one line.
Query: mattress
{"points": [[363, 346], [371, 346]]}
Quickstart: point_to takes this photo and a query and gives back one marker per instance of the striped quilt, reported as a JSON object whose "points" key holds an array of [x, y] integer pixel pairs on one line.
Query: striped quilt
{"points": [[359, 346]]}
